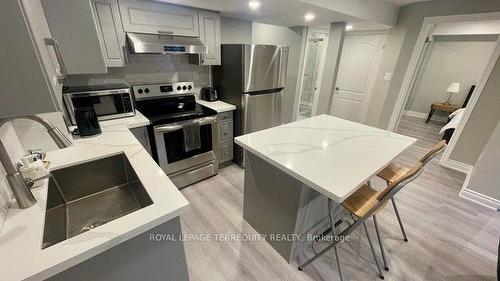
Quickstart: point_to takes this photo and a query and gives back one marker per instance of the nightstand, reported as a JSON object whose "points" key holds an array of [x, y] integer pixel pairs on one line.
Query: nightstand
{"points": [[441, 107]]}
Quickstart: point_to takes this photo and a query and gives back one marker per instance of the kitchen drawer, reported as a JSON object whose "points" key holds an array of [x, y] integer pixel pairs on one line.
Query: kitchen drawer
{"points": [[225, 116], [225, 131], [226, 152], [158, 18]]}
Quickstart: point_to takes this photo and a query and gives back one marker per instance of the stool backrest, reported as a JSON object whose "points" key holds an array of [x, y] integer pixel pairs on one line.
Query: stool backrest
{"points": [[408, 177], [433, 152]]}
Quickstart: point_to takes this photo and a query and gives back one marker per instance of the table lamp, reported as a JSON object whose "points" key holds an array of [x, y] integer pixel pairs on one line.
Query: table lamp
{"points": [[452, 89]]}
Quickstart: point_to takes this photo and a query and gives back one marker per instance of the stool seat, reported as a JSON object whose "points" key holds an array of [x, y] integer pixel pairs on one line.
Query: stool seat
{"points": [[392, 172], [361, 201]]}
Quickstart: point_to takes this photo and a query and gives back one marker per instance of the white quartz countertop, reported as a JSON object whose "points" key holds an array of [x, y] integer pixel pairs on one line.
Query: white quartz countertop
{"points": [[21, 254], [218, 105], [331, 155]]}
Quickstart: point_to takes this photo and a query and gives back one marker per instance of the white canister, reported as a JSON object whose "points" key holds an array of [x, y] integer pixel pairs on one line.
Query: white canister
{"points": [[33, 171]]}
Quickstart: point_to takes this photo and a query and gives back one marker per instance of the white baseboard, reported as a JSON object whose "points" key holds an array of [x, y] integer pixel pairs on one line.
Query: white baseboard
{"points": [[422, 115], [466, 193], [480, 199], [458, 166]]}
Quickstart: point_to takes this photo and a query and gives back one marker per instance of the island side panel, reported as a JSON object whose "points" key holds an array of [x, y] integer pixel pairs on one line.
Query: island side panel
{"points": [[271, 202], [136, 259], [312, 218]]}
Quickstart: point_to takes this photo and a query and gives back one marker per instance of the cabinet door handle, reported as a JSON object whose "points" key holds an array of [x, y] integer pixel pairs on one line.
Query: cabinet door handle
{"points": [[165, 32], [62, 76], [125, 54]]}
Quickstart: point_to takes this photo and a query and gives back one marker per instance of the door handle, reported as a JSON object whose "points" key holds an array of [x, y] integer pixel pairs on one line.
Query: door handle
{"points": [[62, 76], [165, 32]]}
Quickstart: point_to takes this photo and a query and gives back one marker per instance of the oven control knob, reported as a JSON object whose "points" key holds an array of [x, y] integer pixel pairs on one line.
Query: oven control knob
{"points": [[189, 87], [140, 91], [179, 88], [184, 88], [146, 90]]}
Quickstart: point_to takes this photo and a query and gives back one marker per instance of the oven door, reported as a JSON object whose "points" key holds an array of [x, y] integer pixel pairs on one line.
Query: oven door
{"points": [[107, 104], [172, 156]]}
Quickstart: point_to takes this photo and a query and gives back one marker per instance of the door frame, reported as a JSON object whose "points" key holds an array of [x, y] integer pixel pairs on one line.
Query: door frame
{"points": [[373, 79], [310, 31], [404, 92]]}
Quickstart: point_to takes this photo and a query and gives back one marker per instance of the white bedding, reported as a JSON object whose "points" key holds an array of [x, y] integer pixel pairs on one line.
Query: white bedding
{"points": [[456, 116]]}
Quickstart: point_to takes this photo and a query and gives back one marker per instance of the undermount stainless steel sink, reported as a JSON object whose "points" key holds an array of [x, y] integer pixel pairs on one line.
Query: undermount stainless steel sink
{"points": [[88, 195]]}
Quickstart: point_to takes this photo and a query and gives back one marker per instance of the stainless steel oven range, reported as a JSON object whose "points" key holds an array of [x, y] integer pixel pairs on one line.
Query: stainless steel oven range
{"points": [[183, 134]]}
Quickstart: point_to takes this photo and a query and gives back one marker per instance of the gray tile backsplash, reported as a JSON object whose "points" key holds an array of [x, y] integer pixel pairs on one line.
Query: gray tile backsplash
{"points": [[148, 69]]}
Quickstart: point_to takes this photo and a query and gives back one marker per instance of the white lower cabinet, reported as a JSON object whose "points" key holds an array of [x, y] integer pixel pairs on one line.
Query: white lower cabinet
{"points": [[225, 127]]}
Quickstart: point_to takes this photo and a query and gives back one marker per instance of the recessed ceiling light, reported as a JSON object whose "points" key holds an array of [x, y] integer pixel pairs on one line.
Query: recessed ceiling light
{"points": [[348, 27], [309, 17], [254, 5]]}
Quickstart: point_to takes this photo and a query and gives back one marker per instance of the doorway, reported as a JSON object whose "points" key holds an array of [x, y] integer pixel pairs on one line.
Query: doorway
{"points": [[317, 40], [483, 25], [358, 69]]}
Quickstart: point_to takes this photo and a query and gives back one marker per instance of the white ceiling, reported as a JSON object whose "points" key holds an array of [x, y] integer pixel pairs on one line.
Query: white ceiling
{"points": [[281, 12], [405, 2]]}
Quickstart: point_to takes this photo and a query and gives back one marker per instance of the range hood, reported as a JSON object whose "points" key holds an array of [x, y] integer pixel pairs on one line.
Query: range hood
{"points": [[164, 44]]}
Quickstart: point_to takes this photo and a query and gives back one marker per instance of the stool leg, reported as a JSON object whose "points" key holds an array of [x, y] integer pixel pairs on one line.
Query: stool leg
{"points": [[405, 238], [380, 243], [373, 251], [334, 232]]}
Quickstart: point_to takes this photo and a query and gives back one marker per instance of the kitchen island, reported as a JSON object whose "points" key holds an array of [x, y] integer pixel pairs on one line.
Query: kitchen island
{"points": [[291, 171]]}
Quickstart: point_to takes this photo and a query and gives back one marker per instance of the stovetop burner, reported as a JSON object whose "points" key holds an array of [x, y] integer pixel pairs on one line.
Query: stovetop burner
{"points": [[168, 103]]}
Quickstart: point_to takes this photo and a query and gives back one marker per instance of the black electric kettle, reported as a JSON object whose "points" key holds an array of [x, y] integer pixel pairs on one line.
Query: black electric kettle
{"points": [[208, 94], [86, 122]]}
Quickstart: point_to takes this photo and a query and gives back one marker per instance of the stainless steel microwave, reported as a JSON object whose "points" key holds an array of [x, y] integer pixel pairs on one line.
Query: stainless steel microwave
{"points": [[109, 102]]}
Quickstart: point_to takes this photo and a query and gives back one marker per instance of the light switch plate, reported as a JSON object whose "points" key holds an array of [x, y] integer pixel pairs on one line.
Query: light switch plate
{"points": [[388, 76]]}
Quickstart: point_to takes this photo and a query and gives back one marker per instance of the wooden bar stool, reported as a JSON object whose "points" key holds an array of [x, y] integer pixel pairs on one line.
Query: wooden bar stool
{"points": [[362, 204], [391, 174], [394, 171]]}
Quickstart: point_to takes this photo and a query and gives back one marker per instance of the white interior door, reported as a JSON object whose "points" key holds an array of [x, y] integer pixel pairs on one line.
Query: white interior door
{"points": [[359, 65]]}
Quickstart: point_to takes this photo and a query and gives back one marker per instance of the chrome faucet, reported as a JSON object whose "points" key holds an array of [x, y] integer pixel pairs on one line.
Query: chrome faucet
{"points": [[20, 187]]}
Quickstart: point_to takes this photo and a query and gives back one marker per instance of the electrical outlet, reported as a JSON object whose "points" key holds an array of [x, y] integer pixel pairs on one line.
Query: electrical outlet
{"points": [[388, 76]]}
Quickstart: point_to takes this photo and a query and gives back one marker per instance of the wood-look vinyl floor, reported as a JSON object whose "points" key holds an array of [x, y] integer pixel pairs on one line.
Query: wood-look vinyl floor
{"points": [[449, 238]]}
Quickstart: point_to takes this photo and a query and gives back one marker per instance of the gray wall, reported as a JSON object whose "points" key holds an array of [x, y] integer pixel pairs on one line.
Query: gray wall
{"points": [[485, 178], [331, 67], [235, 31], [450, 61], [280, 35], [401, 42], [24, 89], [483, 119]]}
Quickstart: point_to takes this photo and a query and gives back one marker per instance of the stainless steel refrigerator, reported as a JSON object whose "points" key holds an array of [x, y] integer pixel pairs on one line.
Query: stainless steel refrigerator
{"points": [[252, 77]]}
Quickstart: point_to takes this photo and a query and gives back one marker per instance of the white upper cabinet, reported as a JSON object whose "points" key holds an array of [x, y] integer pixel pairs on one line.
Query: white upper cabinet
{"points": [[72, 25], [110, 31], [159, 18], [210, 36]]}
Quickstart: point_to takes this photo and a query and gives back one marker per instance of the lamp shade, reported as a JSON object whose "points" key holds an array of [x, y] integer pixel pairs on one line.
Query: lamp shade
{"points": [[454, 88]]}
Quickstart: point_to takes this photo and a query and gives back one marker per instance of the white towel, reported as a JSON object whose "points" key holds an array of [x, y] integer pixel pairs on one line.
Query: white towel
{"points": [[456, 116]]}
